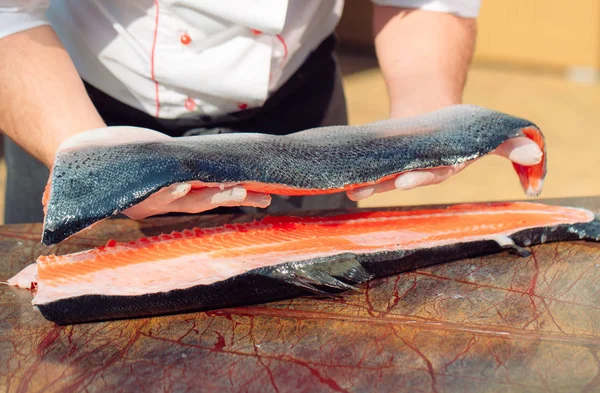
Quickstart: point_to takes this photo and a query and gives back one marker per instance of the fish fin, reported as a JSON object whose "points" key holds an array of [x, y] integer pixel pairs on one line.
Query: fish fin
{"points": [[355, 274], [324, 272], [317, 277], [306, 284], [344, 267]]}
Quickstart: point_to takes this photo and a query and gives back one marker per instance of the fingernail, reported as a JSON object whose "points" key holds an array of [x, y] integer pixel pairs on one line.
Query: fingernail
{"points": [[180, 190], [411, 180], [529, 154], [360, 193], [238, 194], [235, 194]]}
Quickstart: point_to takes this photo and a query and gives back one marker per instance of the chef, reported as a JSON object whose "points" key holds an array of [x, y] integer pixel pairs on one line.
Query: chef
{"points": [[102, 71]]}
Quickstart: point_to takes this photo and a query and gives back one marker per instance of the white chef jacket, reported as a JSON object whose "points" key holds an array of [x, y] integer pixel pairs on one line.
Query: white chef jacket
{"points": [[179, 58]]}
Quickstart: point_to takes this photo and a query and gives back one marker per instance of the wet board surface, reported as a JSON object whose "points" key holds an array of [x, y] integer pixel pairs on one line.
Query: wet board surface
{"points": [[492, 324]]}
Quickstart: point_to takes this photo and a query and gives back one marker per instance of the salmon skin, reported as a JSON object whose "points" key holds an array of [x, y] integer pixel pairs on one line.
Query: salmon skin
{"points": [[282, 257], [92, 183]]}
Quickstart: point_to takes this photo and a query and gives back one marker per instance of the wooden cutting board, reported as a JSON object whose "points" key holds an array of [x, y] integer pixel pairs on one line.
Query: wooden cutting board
{"points": [[492, 324]]}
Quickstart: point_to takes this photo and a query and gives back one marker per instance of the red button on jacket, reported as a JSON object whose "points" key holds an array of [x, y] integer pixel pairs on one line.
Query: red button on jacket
{"points": [[190, 104], [185, 39]]}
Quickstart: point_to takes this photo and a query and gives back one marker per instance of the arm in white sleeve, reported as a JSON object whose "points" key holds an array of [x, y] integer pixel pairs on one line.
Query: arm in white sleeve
{"points": [[20, 15], [462, 8], [424, 57]]}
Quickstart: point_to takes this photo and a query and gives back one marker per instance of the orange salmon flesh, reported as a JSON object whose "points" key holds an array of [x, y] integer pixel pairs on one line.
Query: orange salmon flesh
{"points": [[205, 256]]}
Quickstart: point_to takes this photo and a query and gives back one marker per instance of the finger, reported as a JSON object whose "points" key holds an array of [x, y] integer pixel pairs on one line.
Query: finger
{"points": [[520, 150], [155, 203], [360, 193], [181, 198], [413, 179], [405, 181], [170, 194], [200, 200], [233, 194], [420, 178], [253, 199]]}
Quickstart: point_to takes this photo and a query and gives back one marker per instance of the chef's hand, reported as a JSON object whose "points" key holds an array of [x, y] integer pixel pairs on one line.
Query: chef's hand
{"points": [[520, 150], [177, 198], [182, 198], [427, 70]]}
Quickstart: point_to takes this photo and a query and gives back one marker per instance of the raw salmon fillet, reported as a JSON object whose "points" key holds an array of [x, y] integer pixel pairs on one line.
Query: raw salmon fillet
{"points": [[279, 257], [91, 183]]}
